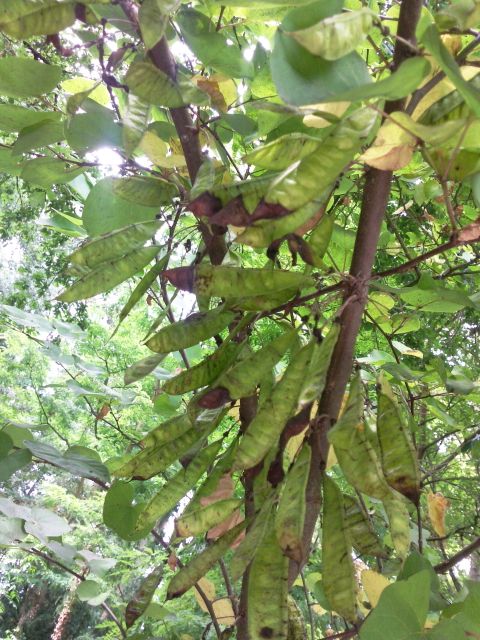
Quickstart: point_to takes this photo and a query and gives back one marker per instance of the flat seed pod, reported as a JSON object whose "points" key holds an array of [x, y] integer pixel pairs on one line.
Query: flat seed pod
{"points": [[114, 244], [264, 232], [135, 120], [202, 519], [296, 623], [306, 178], [337, 565], [361, 532], [108, 275], [142, 368], [317, 372], [354, 452], [157, 458], [246, 550], [198, 567], [150, 192], [397, 453], [283, 151], [191, 331], [204, 373], [141, 288], [399, 521], [290, 516], [227, 282], [143, 596], [176, 488], [267, 609], [167, 431], [265, 429], [242, 379]]}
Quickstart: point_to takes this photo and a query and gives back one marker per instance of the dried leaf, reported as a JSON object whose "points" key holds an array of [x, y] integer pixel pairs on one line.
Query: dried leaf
{"points": [[437, 508]]}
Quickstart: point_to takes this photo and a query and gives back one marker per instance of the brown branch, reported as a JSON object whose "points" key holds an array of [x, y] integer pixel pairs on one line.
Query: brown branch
{"points": [[445, 566], [79, 576], [375, 199]]}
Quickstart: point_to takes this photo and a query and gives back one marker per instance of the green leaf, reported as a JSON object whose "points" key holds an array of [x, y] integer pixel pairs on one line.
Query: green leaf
{"points": [[177, 487], [432, 296], [267, 610], [152, 85], [205, 372], [109, 274], [15, 118], [91, 592], [9, 464], [210, 46], [336, 36], [43, 523], [104, 211], [77, 464], [308, 177], [118, 512], [134, 123], [142, 368], [24, 77], [142, 597], [399, 84], [399, 522], [203, 518], [290, 516], [149, 192], [114, 244], [360, 530], [89, 131], [304, 79], [198, 567], [47, 17], [46, 172], [337, 565], [153, 19], [265, 429], [431, 40], [38, 135], [397, 453], [226, 282], [156, 458], [402, 609], [191, 331]]}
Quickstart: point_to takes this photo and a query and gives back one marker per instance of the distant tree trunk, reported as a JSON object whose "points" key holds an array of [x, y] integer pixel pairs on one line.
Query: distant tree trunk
{"points": [[66, 612], [31, 604], [474, 573]]}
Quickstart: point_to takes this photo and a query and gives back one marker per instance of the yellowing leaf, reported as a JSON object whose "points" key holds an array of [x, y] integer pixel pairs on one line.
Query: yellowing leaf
{"points": [[331, 457], [316, 121], [373, 583], [224, 611], [208, 589], [437, 508], [337, 35], [392, 148]]}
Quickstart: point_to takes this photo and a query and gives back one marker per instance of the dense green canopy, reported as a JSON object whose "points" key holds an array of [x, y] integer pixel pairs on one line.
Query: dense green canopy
{"points": [[239, 363]]}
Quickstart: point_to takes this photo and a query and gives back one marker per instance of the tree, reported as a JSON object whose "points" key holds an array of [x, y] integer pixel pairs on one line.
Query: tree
{"points": [[293, 186]]}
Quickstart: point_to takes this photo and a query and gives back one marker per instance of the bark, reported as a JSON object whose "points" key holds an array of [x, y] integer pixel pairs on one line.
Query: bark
{"points": [[375, 199], [66, 612]]}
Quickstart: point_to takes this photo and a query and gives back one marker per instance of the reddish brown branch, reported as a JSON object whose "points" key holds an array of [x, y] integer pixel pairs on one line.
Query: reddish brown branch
{"points": [[445, 566], [375, 199]]}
